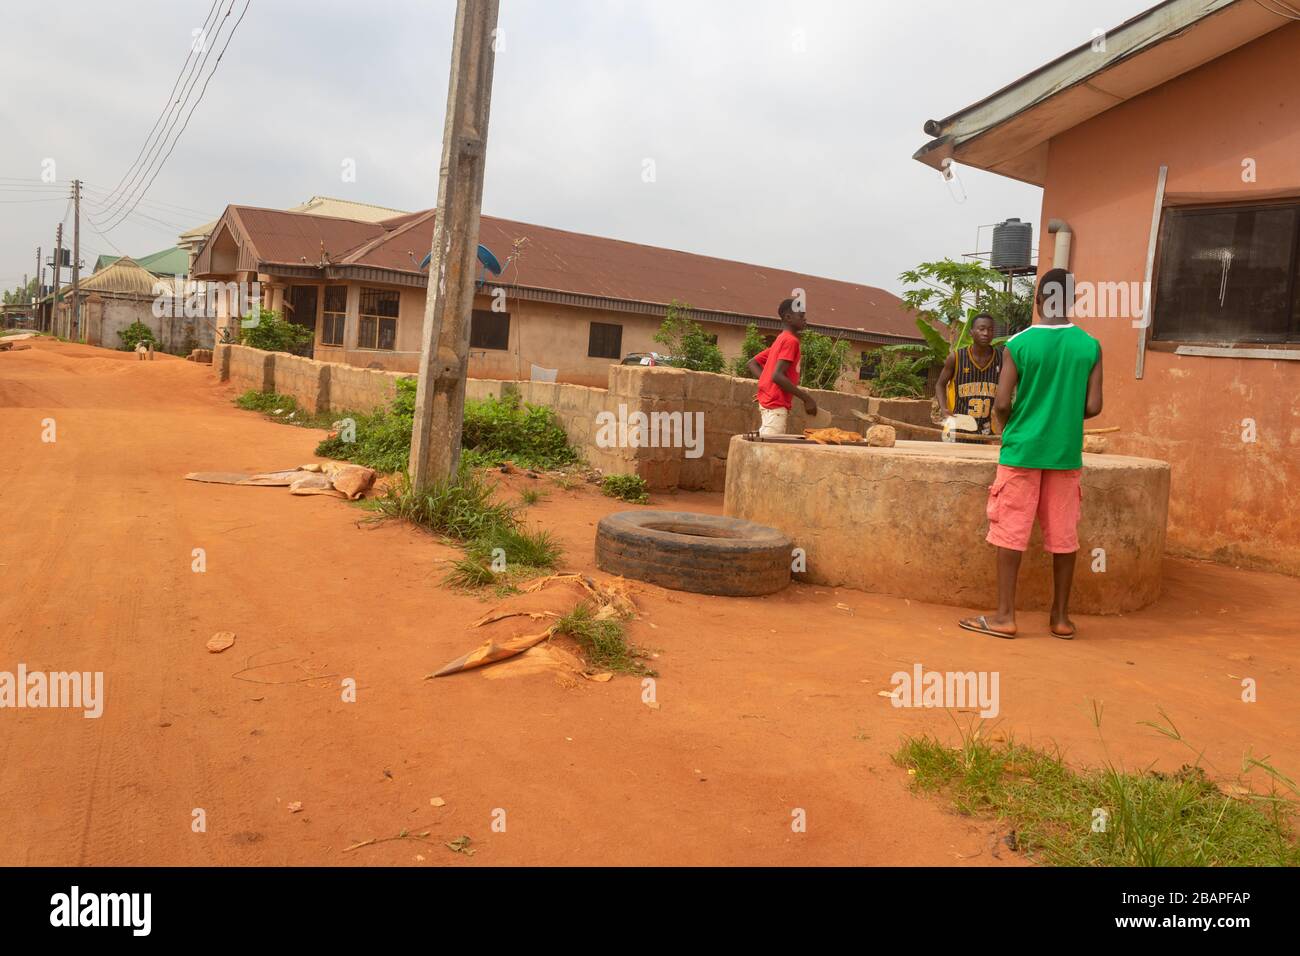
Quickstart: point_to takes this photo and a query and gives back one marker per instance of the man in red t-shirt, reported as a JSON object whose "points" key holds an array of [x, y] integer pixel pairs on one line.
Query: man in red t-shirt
{"points": [[777, 368]]}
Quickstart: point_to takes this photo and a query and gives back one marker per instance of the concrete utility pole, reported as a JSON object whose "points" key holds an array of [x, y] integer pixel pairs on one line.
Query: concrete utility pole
{"points": [[54, 299], [440, 396], [75, 317], [40, 287]]}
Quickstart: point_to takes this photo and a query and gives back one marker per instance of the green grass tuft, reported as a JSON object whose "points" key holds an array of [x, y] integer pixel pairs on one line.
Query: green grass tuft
{"points": [[1152, 819], [604, 642], [460, 507]]}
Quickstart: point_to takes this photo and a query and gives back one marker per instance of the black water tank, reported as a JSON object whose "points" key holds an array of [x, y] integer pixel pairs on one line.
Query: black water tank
{"points": [[1012, 243]]}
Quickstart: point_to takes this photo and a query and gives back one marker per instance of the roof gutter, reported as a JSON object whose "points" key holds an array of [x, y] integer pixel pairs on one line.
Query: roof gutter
{"points": [[1131, 38]]}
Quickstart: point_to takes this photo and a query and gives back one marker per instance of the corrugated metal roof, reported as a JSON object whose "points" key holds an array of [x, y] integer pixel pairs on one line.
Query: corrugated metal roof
{"points": [[123, 276], [567, 262], [166, 262]]}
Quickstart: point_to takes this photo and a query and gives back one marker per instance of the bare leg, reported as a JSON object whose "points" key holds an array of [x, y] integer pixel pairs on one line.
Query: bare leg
{"points": [[1062, 579], [1008, 572], [1004, 620]]}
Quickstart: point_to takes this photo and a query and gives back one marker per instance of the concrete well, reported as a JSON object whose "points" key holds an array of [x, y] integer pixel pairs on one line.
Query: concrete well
{"points": [[911, 520]]}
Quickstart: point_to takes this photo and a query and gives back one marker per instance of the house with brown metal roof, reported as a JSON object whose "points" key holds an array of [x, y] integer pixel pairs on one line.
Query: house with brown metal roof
{"points": [[563, 301]]}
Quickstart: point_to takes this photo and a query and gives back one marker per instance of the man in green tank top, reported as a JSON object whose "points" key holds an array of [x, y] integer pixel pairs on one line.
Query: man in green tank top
{"points": [[1053, 369]]}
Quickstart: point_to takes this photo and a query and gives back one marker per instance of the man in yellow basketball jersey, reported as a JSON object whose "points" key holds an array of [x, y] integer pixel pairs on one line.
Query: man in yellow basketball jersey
{"points": [[973, 374]]}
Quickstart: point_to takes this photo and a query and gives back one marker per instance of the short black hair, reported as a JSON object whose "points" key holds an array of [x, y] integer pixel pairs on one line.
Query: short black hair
{"points": [[982, 315], [1057, 284], [785, 308]]}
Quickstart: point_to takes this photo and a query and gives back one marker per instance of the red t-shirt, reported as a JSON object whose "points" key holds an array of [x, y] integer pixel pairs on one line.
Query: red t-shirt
{"points": [[770, 394]]}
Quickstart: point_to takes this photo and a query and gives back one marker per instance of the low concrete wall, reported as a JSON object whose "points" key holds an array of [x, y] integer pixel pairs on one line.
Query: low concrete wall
{"points": [[316, 386], [725, 406], [911, 521]]}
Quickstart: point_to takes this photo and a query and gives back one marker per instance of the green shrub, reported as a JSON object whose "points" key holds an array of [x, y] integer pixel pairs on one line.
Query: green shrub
{"points": [[822, 360], [272, 333], [751, 346], [899, 376], [687, 344], [494, 430], [627, 487], [134, 334]]}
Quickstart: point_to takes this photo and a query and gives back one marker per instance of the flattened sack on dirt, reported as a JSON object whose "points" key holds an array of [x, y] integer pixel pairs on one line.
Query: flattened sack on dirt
{"points": [[274, 479], [312, 484], [219, 477]]}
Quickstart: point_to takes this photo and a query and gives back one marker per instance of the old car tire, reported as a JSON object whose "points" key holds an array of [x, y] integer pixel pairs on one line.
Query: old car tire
{"points": [[707, 554]]}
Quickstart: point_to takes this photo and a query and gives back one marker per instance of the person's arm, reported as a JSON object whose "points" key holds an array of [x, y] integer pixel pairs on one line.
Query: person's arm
{"points": [[783, 382], [758, 361], [1006, 391], [1092, 406], [941, 386]]}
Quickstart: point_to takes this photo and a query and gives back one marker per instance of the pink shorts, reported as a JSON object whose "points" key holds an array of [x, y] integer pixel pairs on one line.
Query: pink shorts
{"points": [[1020, 494]]}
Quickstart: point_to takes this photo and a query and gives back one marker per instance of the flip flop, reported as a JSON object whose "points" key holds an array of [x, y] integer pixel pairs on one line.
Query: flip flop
{"points": [[1058, 634], [980, 625]]}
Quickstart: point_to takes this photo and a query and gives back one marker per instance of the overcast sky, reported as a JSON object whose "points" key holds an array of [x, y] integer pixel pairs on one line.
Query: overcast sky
{"points": [[781, 131]]}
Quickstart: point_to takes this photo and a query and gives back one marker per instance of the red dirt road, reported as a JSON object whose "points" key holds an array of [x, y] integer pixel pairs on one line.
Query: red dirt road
{"points": [[767, 705]]}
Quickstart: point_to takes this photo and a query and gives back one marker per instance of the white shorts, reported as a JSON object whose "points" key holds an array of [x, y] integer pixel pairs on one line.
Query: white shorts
{"points": [[773, 420]]}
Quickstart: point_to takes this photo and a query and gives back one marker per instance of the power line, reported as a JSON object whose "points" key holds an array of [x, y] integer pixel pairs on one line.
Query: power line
{"points": [[138, 177], [168, 105], [230, 36]]}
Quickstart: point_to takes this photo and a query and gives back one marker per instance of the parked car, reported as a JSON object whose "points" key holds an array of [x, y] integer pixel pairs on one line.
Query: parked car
{"points": [[647, 358]]}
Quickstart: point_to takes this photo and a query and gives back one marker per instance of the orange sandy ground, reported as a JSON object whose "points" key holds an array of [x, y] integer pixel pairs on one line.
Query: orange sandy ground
{"points": [[767, 705]]}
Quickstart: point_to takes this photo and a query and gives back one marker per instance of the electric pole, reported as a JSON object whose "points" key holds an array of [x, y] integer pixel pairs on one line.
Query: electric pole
{"points": [[76, 263], [54, 299], [40, 290], [444, 360]]}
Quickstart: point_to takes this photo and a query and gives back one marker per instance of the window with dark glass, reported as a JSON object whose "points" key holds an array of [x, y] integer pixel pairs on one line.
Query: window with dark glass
{"points": [[605, 341], [489, 330], [334, 314], [870, 364], [1228, 274], [377, 320]]}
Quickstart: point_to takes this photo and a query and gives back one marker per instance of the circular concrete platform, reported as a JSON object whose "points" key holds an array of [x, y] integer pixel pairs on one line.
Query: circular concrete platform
{"points": [[910, 521]]}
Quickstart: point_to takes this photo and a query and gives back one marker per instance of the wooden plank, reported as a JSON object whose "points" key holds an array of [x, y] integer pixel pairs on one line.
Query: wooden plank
{"points": [[1150, 271]]}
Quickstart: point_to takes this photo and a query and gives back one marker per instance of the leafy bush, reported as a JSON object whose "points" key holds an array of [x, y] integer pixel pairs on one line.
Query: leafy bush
{"points": [[272, 333], [751, 346], [529, 435], [900, 376], [822, 360], [134, 334], [627, 487], [687, 344], [494, 430]]}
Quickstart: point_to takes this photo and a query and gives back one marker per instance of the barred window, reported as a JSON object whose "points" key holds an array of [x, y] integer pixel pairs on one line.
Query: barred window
{"points": [[377, 325], [335, 314]]}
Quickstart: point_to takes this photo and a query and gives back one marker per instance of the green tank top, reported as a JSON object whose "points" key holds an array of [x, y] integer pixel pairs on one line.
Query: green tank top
{"points": [[1045, 429]]}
